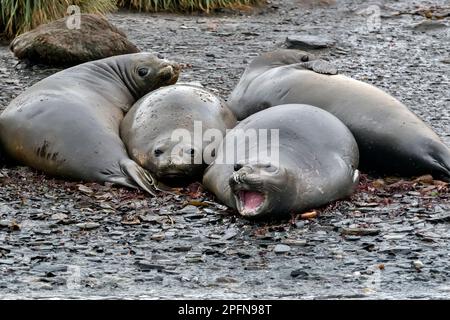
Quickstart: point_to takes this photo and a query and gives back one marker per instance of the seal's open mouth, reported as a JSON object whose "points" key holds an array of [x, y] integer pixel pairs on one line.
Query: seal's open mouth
{"points": [[250, 203]]}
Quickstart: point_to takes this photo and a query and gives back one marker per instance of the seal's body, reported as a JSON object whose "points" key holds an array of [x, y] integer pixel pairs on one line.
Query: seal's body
{"points": [[316, 163], [391, 139], [158, 131], [68, 124]]}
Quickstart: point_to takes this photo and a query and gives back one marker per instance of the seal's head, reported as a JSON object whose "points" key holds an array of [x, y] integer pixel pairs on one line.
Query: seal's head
{"points": [[259, 189], [145, 72], [173, 162]]}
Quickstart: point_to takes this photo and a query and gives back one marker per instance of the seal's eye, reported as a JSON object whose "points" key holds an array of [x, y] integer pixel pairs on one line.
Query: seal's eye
{"points": [[143, 71], [158, 152], [305, 58], [160, 56]]}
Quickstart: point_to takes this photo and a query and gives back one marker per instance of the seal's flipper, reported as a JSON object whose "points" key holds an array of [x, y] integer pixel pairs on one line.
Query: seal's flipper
{"points": [[319, 66], [162, 187], [443, 163], [139, 176]]}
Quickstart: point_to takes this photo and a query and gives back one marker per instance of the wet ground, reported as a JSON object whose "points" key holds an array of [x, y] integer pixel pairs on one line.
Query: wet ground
{"points": [[390, 240]]}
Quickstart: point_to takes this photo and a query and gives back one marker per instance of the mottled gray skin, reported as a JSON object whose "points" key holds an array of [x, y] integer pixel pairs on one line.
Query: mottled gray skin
{"points": [[148, 127], [318, 157], [67, 125], [391, 139]]}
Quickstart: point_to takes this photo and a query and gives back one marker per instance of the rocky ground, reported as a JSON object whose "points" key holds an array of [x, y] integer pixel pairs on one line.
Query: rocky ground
{"points": [[390, 240]]}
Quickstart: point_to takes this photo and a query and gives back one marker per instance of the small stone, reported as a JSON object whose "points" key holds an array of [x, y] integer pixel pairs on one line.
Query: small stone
{"points": [[131, 221], [59, 216], [229, 234], [189, 209], [85, 189], [48, 268], [360, 231], [418, 264], [182, 248], [300, 274], [394, 236], [158, 236], [11, 224], [300, 224], [429, 25], [226, 280], [88, 225], [281, 248], [194, 258], [147, 266], [305, 42]]}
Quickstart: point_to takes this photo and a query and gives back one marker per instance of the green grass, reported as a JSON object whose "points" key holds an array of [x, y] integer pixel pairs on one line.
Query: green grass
{"points": [[18, 16], [185, 5]]}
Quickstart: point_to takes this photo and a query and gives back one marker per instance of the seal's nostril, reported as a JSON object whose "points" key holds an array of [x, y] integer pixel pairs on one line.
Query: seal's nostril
{"points": [[166, 76], [237, 167], [158, 152]]}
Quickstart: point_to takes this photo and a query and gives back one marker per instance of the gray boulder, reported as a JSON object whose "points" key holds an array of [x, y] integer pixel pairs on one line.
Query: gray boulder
{"points": [[55, 44]]}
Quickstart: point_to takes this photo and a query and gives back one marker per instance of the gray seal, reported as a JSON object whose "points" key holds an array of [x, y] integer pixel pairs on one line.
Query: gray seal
{"points": [[316, 163], [159, 130], [391, 139], [67, 125]]}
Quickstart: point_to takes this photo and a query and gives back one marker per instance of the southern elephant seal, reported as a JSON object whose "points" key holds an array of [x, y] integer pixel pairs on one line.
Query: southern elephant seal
{"points": [[163, 131], [67, 125], [391, 139], [316, 163]]}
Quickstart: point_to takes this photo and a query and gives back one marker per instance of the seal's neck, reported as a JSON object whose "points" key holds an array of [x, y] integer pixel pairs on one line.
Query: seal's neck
{"points": [[117, 83]]}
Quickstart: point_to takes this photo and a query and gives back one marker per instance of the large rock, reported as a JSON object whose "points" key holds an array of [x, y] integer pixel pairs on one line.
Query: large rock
{"points": [[55, 44]]}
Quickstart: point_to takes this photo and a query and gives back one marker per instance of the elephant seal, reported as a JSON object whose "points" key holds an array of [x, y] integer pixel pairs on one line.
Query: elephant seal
{"points": [[391, 139], [67, 125], [313, 161], [163, 131]]}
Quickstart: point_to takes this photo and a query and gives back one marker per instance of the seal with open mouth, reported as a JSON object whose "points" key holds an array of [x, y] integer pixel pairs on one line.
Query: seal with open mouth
{"points": [[68, 124], [313, 161], [391, 139], [159, 130]]}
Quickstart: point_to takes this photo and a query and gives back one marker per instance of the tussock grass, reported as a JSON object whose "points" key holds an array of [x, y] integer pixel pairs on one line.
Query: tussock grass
{"points": [[185, 5], [18, 16]]}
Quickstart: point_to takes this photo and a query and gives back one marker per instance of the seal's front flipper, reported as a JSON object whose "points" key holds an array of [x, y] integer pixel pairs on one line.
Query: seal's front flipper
{"points": [[139, 176], [319, 66], [163, 188], [443, 164]]}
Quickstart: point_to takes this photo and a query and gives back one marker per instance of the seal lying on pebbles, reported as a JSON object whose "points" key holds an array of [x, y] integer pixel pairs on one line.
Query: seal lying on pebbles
{"points": [[68, 124], [391, 139], [316, 163], [154, 126]]}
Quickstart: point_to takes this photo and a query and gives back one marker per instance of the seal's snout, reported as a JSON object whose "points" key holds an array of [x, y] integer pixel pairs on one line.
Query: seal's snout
{"points": [[169, 73]]}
